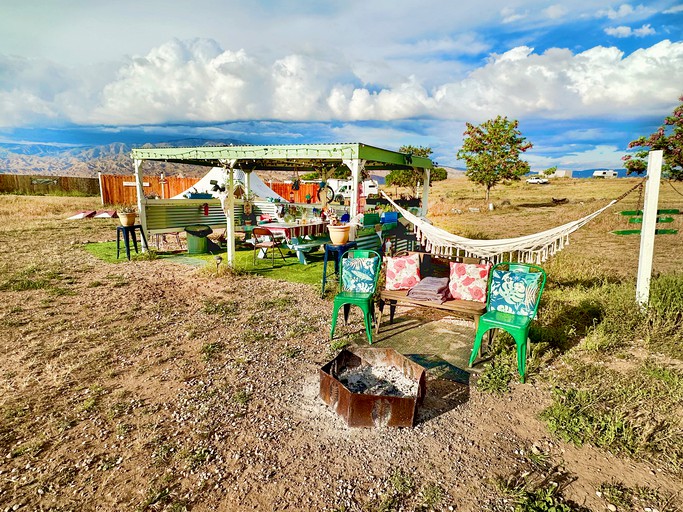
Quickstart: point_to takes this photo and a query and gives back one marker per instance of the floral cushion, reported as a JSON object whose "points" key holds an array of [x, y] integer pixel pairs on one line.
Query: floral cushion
{"points": [[514, 292], [403, 272], [468, 281], [358, 274]]}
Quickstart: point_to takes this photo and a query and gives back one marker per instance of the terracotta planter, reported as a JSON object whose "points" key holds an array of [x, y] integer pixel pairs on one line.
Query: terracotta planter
{"points": [[339, 234], [127, 219]]}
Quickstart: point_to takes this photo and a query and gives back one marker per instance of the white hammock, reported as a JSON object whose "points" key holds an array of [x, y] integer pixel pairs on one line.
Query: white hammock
{"points": [[530, 248]]}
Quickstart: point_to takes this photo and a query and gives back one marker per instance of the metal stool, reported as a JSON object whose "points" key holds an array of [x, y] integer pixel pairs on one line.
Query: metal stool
{"points": [[160, 239], [336, 251], [129, 231]]}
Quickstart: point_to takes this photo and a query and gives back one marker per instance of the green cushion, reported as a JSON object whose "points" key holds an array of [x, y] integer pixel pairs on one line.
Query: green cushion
{"points": [[514, 292], [358, 274]]}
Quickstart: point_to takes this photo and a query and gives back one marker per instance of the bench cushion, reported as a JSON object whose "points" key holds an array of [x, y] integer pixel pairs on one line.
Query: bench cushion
{"points": [[403, 272], [468, 281]]}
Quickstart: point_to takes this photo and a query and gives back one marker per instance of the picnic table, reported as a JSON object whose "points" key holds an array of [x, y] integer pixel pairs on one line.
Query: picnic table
{"points": [[290, 230], [299, 237]]}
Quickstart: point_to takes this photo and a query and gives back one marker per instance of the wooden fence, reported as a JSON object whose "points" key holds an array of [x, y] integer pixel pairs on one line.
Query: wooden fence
{"points": [[285, 189], [35, 185], [117, 189]]}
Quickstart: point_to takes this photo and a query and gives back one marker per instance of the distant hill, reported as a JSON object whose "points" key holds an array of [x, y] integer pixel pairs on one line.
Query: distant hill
{"points": [[87, 161]]}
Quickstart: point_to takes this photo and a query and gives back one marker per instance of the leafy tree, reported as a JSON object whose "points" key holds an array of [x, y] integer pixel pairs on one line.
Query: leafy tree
{"points": [[437, 174], [669, 138], [549, 171], [311, 176], [491, 152], [409, 178]]}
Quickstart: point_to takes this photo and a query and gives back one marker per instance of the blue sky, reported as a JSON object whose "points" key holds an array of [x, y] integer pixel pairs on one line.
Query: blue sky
{"points": [[583, 77]]}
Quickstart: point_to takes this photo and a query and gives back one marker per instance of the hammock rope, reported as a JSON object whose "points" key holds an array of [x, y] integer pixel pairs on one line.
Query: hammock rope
{"points": [[534, 248]]}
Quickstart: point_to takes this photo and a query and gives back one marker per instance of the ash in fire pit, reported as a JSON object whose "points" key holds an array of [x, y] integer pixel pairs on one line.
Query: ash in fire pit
{"points": [[373, 387], [378, 380]]}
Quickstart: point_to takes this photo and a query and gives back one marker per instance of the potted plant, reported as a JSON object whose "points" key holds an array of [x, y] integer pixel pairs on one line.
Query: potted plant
{"points": [[339, 233], [126, 214]]}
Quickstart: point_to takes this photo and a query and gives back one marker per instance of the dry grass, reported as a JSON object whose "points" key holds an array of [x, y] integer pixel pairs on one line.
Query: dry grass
{"points": [[149, 385], [522, 209]]}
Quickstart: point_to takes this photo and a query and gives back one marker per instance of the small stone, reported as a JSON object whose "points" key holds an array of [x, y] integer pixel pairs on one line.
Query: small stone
{"points": [[611, 507]]}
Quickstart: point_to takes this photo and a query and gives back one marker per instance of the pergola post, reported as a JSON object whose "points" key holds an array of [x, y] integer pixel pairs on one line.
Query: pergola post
{"points": [[229, 209], [141, 200], [425, 192], [247, 185], [356, 165], [323, 179]]}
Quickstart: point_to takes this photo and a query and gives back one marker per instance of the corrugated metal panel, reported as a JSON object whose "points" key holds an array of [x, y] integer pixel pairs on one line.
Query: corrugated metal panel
{"points": [[368, 241], [162, 217]]}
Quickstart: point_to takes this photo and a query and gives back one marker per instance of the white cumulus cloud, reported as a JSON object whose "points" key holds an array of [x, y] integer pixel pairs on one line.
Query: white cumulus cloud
{"points": [[624, 31], [198, 81]]}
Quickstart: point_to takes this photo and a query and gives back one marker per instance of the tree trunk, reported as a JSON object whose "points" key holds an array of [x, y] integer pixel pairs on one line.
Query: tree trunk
{"points": [[488, 190]]}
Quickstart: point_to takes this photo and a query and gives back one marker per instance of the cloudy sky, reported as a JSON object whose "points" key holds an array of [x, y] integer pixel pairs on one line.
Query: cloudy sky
{"points": [[583, 77]]}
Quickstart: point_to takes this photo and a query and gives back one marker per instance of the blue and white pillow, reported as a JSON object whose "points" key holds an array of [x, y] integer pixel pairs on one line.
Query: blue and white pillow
{"points": [[514, 292], [358, 274]]}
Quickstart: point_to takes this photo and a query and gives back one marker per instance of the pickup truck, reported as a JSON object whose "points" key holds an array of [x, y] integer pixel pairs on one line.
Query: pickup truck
{"points": [[538, 181]]}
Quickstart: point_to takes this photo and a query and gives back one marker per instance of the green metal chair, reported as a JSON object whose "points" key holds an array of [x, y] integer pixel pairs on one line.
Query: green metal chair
{"points": [[358, 274], [514, 292]]}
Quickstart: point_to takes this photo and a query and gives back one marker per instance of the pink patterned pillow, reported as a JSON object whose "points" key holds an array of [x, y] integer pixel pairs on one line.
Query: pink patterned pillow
{"points": [[403, 272], [468, 281]]}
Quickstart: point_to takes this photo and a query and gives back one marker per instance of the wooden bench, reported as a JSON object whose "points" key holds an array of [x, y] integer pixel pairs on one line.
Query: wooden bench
{"points": [[467, 308], [438, 267]]}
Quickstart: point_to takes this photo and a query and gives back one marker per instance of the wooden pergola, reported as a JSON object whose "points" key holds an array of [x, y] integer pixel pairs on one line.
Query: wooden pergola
{"points": [[322, 158]]}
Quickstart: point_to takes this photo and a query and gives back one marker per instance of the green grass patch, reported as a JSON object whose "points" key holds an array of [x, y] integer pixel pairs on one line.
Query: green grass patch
{"points": [[289, 270], [38, 277]]}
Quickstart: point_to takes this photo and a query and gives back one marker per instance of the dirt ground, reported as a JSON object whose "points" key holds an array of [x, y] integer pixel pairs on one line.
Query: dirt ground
{"points": [[152, 385]]}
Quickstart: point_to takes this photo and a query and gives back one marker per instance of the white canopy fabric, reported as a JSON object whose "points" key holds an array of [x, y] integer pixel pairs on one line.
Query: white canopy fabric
{"points": [[204, 185], [534, 248]]}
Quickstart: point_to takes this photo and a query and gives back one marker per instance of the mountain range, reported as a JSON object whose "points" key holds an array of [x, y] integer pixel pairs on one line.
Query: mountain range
{"points": [[114, 158], [87, 161]]}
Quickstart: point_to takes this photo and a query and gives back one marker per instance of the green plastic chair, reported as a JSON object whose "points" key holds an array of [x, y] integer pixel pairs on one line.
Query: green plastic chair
{"points": [[357, 283], [514, 292]]}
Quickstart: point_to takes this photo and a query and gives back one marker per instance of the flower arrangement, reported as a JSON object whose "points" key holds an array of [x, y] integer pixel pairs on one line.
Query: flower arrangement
{"points": [[127, 208]]}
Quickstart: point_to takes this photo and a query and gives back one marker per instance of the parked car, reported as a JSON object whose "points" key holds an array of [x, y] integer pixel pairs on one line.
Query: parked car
{"points": [[538, 181]]}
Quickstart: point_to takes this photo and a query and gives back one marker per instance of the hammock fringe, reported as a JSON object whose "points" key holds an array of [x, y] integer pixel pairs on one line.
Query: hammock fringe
{"points": [[535, 248]]}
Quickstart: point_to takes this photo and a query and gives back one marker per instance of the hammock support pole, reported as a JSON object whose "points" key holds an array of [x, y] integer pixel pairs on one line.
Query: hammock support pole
{"points": [[647, 233]]}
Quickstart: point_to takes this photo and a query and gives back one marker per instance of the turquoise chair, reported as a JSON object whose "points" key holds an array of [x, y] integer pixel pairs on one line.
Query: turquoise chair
{"points": [[358, 274], [514, 292]]}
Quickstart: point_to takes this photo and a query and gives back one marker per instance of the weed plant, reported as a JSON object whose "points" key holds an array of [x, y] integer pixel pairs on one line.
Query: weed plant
{"points": [[498, 372], [630, 412], [536, 490], [638, 498]]}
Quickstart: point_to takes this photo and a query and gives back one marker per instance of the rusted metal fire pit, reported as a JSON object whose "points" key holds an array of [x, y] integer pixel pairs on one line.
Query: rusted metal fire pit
{"points": [[372, 387]]}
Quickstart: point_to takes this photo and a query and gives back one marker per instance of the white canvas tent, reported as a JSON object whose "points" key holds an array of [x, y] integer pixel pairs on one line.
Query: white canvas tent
{"points": [[219, 174]]}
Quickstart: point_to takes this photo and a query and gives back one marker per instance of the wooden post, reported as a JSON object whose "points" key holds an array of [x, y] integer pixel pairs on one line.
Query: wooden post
{"points": [[99, 179], [228, 204], [647, 233], [425, 192], [140, 192]]}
